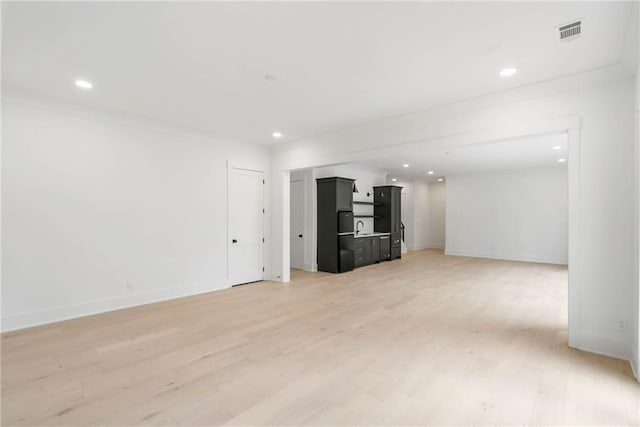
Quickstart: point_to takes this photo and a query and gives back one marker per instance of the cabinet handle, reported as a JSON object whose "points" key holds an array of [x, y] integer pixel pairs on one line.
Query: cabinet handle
{"points": [[300, 235], [234, 241]]}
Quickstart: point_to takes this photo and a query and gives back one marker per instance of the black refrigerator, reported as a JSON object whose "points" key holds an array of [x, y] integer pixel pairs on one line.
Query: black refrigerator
{"points": [[346, 252]]}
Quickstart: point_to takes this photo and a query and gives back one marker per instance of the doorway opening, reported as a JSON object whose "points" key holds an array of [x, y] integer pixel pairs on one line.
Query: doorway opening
{"points": [[302, 215], [471, 143], [508, 199]]}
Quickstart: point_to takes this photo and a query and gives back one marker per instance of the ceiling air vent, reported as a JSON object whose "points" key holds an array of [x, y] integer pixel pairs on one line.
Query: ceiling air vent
{"points": [[570, 31]]}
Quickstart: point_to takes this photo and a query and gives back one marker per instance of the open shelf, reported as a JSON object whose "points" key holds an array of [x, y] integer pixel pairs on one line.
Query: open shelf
{"points": [[367, 203]]}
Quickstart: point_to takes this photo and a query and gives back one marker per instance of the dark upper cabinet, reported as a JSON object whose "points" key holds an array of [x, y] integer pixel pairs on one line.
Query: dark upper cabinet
{"points": [[396, 218], [344, 194], [334, 195], [388, 216]]}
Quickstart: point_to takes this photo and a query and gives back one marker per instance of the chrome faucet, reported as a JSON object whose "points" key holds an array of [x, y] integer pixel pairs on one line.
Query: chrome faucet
{"points": [[357, 225]]}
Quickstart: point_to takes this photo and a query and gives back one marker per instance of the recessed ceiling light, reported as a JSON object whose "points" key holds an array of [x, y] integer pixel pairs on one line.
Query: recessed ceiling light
{"points": [[84, 84], [557, 147], [510, 71], [440, 179], [562, 160], [430, 172], [406, 165], [393, 179], [276, 134]]}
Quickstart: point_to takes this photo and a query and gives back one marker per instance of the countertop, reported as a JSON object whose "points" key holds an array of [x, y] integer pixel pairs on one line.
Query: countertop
{"points": [[358, 236]]}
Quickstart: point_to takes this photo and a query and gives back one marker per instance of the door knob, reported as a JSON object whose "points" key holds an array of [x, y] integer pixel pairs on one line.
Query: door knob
{"points": [[234, 241], [300, 235]]}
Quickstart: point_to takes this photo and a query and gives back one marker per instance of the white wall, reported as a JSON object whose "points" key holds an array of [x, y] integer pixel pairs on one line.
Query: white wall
{"points": [[422, 215], [423, 205], [516, 215], [599, 103], [631, 58], [407, 210], [437, 219], [93, 201], [408, 215], [635, 323]]}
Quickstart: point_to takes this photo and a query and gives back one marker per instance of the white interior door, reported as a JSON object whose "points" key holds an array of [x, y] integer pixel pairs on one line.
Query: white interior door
{"points": [[246, 226], [296, 222]]}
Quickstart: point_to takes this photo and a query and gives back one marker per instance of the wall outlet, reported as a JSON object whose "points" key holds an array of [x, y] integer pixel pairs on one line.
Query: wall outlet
{"points": [[622, 324], [129, 285]]}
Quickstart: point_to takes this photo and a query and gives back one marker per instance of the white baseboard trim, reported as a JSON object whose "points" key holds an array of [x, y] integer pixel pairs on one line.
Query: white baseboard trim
{"points": [[506, 257], [633, 362], [311, 267], [276, 278], [23, 320], [422, 246], [598, 344]]}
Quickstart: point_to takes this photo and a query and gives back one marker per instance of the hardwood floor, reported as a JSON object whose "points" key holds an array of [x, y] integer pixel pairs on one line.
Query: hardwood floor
{"points": [[429, 339]]}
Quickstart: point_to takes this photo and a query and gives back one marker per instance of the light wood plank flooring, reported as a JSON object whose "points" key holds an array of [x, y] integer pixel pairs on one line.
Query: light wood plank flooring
{"points": [[429, 339]]}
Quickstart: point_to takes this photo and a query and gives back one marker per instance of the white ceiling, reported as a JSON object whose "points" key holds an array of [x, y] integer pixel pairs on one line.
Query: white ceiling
{"points": [[203, 65], [508, 154]]}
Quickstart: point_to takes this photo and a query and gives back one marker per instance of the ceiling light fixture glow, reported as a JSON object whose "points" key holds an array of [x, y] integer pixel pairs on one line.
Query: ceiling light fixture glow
{"points": [[84, 84], [430, 172], [556, 147], [440, 179], [277, 135], [406, 165], [510, 71], [562, 160], [393, 179]]}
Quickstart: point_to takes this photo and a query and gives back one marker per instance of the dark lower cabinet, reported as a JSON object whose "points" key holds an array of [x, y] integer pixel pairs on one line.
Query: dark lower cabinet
{"points": [[395, 252], [367, 250], [358, 252], [385, 248], [346, 259]]}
